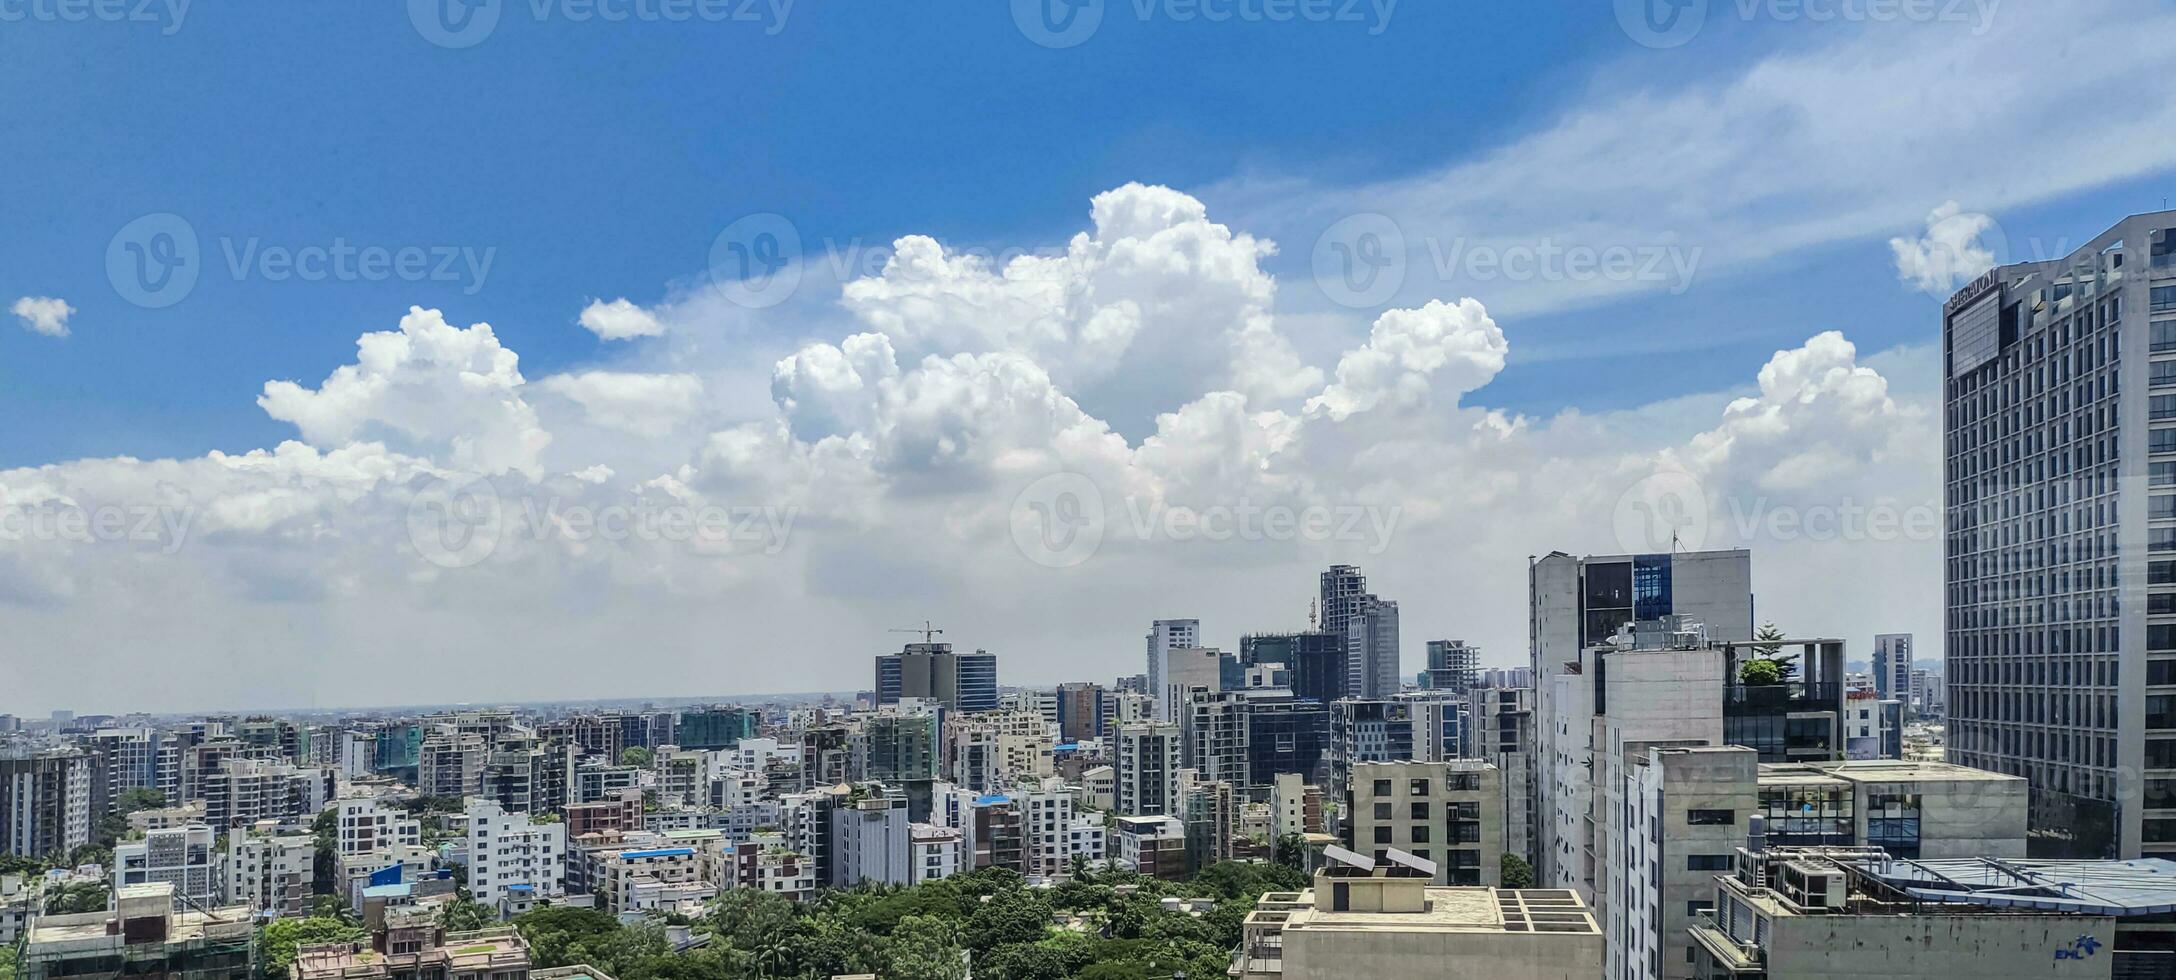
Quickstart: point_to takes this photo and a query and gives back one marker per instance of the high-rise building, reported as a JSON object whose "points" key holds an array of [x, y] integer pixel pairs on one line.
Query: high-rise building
{"points": [[269, 870], [1190, 670], [511, 859], [1452, 666], [1371, 648], [931, 671], [1893, 664], [1314, 662], [1573, 603], [1500, 732], [1149, 757], [45, 802], [1080, 711], [2057, 469], [1369, 626], [1164, 636], [716, 728]]}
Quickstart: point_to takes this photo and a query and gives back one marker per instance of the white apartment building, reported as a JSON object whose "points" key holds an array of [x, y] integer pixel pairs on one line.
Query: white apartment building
{"points": [[1099, 787], [1391, 924], [1148, 769], [1164, 636], [509, 851], [650, 878], [179, 856], [935, 852], [371, 825], [269, 871], [1445, 813]]}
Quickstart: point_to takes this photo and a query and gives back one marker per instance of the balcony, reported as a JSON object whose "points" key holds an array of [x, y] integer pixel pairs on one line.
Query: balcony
{"points": [[1730, 956], [1791, 696]]}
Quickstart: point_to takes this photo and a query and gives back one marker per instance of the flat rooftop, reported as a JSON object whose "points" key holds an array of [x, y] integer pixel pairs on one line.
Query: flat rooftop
{"points": [[1879, 771], [1461, 910], [2142, 886]]}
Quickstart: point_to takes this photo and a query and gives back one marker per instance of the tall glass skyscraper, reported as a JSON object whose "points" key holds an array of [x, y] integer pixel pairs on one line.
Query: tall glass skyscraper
{"points": [[2059, 564]]}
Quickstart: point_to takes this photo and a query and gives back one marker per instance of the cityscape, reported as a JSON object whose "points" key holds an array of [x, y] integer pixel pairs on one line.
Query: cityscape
{"points": [[718, 489]]}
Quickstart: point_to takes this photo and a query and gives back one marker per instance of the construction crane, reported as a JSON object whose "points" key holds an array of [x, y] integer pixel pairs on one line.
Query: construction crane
{"points": [[929, 633]]}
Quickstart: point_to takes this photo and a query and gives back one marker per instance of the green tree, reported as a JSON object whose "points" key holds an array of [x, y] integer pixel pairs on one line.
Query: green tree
{"points": [[1760, 672], [466, 916], [1016, 916], [278, 941], [77, 898], [114, 825], [1291, 851], [1516, 872], [925, 947], [636, 755]]}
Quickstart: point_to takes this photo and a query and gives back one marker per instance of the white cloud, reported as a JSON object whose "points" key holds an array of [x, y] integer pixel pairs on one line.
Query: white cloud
{"points": [[427, 386], [1949, 255], [44, 315], [1806, 147], [891, 457], [620, 320]]}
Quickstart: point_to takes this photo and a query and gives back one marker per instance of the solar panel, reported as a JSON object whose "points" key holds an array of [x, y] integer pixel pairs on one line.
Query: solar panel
{"points": [[1419, 866], [1350, 859]]}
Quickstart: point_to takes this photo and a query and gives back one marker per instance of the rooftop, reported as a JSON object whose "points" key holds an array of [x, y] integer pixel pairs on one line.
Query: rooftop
{"points": [[1878, 771], [2120, 888], [1489, 910]]}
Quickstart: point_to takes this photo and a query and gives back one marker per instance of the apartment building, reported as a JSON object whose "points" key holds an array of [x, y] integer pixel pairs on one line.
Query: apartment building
{"points": [[179, 856], [269, 870], [368, 825], [1149, 759], [1446, 813], [511, 856], [45, 801]]}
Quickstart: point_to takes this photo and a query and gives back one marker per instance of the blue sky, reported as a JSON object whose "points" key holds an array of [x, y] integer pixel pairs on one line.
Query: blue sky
{"points": [[1774, 156], [599, 160]]}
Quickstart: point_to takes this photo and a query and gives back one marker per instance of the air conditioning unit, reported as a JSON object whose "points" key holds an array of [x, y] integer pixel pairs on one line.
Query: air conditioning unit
{"points": [[1814, 886]]}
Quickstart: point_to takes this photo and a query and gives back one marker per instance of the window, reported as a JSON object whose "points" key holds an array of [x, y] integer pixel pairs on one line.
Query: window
{"points": [[1382, 787], [1382, 811], [2161, 539], [2161, 672], [2163, 475], [1420, 833], [2161, 441], [1382, 835], [1710, 818], [1707, 862], [2161, 507], [2164, 299], [1420, 811], [2163, 372], [1417, 787], [2164, 335]]}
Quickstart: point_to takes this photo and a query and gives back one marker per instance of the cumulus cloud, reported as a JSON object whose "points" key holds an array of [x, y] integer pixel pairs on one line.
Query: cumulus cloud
{"points": [[882, 478], [1950, 254], [43, 314], [620, 320], [427, 386]]}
